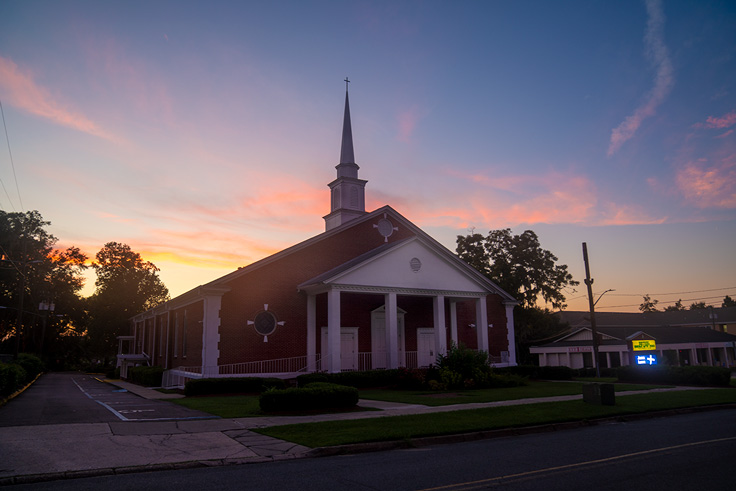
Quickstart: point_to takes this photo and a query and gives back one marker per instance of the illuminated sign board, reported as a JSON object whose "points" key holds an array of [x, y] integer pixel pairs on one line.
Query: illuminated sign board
{"points": [[646, 359], [644, 344]]}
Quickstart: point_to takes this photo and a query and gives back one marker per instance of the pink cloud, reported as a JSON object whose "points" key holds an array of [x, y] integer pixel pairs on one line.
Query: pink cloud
{"points": [[20, 90], [709, 185], [663, 82], [407, 122], [725, 121]]}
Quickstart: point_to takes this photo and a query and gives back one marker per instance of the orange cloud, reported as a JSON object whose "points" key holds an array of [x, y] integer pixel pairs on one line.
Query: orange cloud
{"points": [[709, 185], [20, 90]]}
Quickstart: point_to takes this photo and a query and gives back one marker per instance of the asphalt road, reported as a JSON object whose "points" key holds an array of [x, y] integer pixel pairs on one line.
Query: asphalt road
{"points": [[72, 397], [692, 451]]}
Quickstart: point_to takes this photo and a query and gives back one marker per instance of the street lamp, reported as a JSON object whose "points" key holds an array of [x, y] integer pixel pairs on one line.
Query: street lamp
{"points": [[601, 295]]}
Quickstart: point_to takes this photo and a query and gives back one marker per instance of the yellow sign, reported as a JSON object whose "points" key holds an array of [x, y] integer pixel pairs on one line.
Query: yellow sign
{"points": [[644, 344]]}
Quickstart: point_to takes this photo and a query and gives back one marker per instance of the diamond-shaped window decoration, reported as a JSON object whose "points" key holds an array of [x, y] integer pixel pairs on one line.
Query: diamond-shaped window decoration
{"points": [[385, 227], [265, 323]]}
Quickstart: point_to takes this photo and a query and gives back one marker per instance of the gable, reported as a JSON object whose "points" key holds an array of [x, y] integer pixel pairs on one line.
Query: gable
{"points": [[410, 264]]}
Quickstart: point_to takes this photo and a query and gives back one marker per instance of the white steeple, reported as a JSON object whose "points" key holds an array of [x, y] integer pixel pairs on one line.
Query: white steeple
{"points": [[347, 192]]}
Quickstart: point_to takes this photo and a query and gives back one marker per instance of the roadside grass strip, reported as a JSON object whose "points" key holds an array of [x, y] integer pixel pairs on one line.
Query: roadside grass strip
{"points": [[532, 390], [392, 428]]}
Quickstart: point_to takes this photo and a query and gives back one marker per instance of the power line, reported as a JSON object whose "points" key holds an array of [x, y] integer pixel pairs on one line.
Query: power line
{"points": [[12, 164], [701, 299]]}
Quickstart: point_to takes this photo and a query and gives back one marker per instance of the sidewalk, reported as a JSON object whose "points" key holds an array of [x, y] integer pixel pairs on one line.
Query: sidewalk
{"points": [[42, 453]]}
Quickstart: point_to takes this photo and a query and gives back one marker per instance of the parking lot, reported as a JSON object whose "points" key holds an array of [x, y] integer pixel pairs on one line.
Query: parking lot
{"points": [[72, 397]]}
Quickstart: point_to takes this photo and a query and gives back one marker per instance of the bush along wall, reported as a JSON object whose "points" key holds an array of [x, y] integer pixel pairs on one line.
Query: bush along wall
{"points": [[664, 374], [237, 385], [317, 395], [146, 376]]}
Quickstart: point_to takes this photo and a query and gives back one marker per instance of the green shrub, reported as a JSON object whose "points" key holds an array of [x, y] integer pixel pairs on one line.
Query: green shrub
{"points": [[360, 380], [12, 378], [146, 376], [317, 395], [538, 373], [32, 365], [671, 375], [464, 361], [233, 385]]}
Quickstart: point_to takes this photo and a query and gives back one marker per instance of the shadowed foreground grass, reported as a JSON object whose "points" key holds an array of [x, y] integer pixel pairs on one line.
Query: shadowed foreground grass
{"points": [[532, 389], [465, 421], [246, 406]]}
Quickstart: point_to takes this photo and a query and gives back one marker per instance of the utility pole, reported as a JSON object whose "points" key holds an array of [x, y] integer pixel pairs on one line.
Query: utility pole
{"points": [[589, 283]]}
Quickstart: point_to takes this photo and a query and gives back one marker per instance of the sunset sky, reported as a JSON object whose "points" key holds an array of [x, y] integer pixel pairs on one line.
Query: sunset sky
{"points": [[203, 134]]}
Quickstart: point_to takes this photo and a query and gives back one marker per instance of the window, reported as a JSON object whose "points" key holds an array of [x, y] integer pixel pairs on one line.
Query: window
{"points": [[265, 323], [184, 337], [176, 334]]}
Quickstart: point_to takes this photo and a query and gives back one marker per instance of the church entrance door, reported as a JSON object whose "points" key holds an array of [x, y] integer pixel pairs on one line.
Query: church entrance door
{"points": [[379, 355], [425, 347]]}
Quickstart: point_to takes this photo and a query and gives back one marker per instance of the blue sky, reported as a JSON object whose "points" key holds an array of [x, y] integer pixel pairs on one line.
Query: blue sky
{"points": [[204, 134]]}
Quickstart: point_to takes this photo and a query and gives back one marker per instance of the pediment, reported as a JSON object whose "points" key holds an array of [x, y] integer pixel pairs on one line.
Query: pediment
{"points": [[409, 265]]}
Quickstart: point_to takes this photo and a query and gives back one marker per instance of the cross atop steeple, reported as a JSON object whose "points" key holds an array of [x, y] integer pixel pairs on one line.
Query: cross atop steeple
{"points": [[347, 191]]}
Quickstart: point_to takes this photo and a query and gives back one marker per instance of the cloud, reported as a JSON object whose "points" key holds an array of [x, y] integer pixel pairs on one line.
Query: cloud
{"points": [[725, 121], [407, 122], [20, 90], [709, 185], [657, 52]]}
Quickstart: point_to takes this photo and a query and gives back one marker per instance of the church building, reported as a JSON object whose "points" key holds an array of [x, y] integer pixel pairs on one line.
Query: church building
{"points": [[372, 291]]}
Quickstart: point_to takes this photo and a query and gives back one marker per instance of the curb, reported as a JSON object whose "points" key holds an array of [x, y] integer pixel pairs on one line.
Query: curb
{"points": [[19, 391], [501, 433], [357, 448]]}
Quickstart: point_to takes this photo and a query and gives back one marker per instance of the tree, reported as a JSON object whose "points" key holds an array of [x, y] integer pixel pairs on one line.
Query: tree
{"points": [[32, 273], [728, 302], [126, 285], [648, 305], [698, 305], [519, 265], [678, 306]]}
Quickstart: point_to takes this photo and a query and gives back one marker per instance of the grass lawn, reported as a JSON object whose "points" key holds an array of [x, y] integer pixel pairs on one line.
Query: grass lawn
{"points": [[464, 421], [534, 389], [246, 406], [223, 406]]}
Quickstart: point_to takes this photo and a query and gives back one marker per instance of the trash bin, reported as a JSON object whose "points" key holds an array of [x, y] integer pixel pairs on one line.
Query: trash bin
{"points": [[598, 393]]}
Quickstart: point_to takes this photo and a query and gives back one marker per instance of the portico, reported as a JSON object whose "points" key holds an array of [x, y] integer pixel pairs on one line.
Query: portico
{"points": [[415, 273]]}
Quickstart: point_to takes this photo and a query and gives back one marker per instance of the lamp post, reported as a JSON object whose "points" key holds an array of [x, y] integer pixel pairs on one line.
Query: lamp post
{"points": [[594, 331], [47, 308]]}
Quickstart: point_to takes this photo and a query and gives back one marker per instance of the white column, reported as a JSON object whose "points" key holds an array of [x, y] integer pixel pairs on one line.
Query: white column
{"points": [[392, 331], [693, 357], [333, 331], [211, 334], [453, 322], [440, 329], [511, 335], [709, 356], [311, 333], [481, 324]]}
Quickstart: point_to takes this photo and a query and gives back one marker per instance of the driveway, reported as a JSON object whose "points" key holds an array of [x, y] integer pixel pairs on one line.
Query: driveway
{"points": [[73, 397]]}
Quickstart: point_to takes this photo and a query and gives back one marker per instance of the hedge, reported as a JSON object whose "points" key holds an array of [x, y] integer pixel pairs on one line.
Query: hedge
{"points": [[12, 378], [665, 374], [360, 380], [538, 373], [317, 395], [32, 365], [236, 385], [146, 376]]}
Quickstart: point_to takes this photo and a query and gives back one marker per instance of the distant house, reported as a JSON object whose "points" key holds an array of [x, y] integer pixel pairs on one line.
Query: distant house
{"points": [[372, 291], [687, 337]]}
